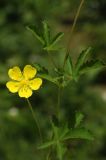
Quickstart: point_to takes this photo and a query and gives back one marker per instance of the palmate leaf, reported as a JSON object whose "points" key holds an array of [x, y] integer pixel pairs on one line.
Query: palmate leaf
{"points": [[57, 143], [82, 66], [36, 33], [79, 133], [44, 36], [44, 73], [55, 80], [90, 65], [53, 44], [59, 133], [81, 59]]}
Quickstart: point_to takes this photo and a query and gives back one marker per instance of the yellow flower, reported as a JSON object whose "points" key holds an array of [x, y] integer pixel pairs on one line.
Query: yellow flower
{"points": [[23, 82]]}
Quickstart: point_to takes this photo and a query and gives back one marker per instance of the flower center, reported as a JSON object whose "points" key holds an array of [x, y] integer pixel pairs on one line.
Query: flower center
{"points": [[24, 82]]}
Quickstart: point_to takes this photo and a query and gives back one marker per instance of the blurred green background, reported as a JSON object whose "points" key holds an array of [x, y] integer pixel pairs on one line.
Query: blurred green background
{"points": [[18, 137]]}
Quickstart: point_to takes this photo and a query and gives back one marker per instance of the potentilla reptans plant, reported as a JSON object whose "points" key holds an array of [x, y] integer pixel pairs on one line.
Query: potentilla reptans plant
{"points": [[23, 82]]}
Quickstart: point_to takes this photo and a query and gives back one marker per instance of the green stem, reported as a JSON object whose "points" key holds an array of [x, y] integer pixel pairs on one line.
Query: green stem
{"points": [[72, 30], [34, 117]]}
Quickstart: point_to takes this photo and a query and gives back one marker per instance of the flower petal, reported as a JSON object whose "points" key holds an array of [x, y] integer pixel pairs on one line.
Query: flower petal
{"points": [[29, 72], [13, 86], [15, 73], [35, 83], [25, 91]]}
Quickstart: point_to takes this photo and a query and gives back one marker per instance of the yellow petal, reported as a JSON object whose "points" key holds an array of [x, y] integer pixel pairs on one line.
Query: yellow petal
{"points": [[35, 83], [25, 91], [29, 72], [15, 73], [13, 86]]}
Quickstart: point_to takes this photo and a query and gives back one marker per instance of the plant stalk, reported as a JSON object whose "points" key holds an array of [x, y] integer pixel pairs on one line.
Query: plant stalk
{"points": [[34, 117], [72, 30]]}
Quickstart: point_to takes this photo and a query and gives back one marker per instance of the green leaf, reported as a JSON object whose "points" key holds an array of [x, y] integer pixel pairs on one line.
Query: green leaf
{"points": [[55, 130], [63, 131], [58, 134], [90, 65], [36, 33], [81, 59], [44, 73], [78, 118], [80, 133], [47, 144], [44, 36], [52, 45], [40, 68], [57, 144], [49, 78], [61, 149], [46, 33], [71, 65], [57, 38]]}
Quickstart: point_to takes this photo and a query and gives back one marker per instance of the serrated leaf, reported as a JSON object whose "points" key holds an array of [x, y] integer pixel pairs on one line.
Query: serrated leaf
{"points": [[35, 32], [46, 33], [57, 38], [41, 69], [78, 118], [38, 67], [90, 65], [46, 144], [81, 58], [80, 133], [43, 73]]}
